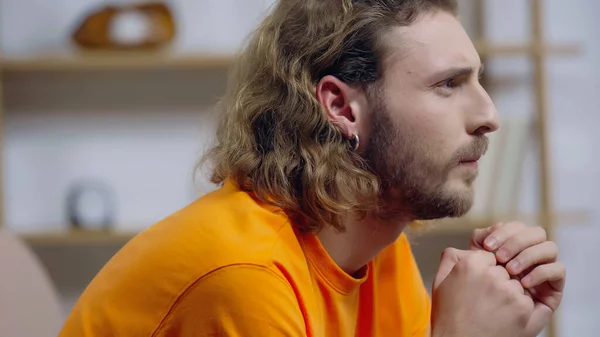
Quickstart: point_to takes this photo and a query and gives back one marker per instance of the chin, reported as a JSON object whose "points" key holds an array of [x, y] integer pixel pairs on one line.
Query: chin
{"points": [[463, 202], [460, 188], [450, 200], [447, 205], [458, 201], [462, 210]]}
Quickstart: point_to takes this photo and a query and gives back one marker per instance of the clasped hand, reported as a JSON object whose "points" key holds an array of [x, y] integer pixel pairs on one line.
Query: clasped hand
{"points": [[509, 283]]}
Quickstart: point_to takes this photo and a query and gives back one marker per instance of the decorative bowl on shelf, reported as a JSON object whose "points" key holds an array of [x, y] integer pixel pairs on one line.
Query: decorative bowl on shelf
{"points": [[126, 27]]}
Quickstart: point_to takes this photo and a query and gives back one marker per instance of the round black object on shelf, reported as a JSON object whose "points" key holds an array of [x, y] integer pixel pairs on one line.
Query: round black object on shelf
{"points": [[90, 205]]}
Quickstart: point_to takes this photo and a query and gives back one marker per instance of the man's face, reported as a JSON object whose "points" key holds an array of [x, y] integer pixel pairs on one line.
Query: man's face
{"points": [[429, 119]]}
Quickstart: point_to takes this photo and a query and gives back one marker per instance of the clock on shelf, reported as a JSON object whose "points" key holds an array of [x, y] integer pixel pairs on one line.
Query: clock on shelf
{"points": [[90, 205]]}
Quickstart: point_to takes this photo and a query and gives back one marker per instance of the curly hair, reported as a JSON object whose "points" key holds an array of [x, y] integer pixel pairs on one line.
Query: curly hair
{"points": [[274, 139]]}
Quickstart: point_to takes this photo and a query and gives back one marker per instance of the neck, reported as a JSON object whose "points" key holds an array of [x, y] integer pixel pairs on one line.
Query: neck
{"points": [[360, 243]]}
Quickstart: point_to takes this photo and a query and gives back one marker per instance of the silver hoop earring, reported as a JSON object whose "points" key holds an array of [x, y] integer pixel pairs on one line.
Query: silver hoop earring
{"points": [[356, 142]]}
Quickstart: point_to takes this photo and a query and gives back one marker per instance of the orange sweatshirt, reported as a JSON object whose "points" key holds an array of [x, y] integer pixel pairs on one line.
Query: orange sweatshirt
{"points": [[228, 265]]}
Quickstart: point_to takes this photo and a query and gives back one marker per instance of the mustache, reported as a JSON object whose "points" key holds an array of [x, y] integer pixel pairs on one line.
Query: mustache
{"points": [[477, 148]]}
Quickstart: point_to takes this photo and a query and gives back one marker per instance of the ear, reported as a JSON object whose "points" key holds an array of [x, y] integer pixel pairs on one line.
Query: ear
{"points": [[345, 105]]}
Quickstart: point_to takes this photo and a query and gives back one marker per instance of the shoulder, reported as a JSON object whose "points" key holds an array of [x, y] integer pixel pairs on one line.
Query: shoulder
{"points": [[242, 299], [225, 235], [224, 227]]}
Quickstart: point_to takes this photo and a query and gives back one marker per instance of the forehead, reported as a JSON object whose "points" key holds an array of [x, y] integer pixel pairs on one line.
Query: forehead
{"points": [[434, 42]]}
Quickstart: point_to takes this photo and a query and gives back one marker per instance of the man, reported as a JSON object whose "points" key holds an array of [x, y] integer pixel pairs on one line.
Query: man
{"points": [[345, 121]]}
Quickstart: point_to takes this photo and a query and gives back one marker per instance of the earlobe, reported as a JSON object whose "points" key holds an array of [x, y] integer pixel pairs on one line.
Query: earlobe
{"points": [[355, 142]]}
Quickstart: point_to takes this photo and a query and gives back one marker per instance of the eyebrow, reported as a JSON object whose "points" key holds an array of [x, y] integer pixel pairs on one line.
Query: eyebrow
{"points": [[456, 71]]}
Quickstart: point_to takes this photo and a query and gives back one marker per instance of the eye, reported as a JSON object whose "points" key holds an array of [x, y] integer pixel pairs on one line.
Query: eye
{"points": [[448, 86], [450, 83]]}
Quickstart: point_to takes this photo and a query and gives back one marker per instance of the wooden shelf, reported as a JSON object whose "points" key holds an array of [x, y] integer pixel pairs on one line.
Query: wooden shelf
{"points": [[77, 237], [86, 60], [113, 61], [445, 226], [469, 223], [487, 49]]}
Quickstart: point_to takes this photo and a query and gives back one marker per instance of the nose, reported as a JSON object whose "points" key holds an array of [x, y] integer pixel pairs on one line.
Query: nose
{"points": [[483, 118]]}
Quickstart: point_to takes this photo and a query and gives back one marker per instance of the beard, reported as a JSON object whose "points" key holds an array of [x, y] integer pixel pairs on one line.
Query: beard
{"points": [[414, 177]]}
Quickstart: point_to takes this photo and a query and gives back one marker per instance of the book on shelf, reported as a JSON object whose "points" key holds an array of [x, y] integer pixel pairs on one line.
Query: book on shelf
{"points": [[497, 188]]}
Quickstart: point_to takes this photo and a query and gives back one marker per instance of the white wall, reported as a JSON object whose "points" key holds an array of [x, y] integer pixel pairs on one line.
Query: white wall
{"points": [[202, 24], [144, 141], [573, 84], [139, 133], [575, 103]]}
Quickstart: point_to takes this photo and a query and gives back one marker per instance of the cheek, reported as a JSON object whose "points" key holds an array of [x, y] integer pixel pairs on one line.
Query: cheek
{"points": [[431, 122], [431, 133]]}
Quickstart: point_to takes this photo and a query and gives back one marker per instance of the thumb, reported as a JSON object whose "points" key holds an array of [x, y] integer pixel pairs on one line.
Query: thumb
{"points": [[480, 234], [450, 257]]}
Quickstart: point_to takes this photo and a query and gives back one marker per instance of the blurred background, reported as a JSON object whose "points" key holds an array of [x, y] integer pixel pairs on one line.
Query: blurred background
{"points": [[106, 107]]}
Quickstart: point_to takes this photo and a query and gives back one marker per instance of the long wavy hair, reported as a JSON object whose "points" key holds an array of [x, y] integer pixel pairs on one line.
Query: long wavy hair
{"points": [[274, 139]]}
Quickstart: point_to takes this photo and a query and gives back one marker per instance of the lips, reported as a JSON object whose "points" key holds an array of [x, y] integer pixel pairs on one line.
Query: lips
{"points": [[470, 160]]}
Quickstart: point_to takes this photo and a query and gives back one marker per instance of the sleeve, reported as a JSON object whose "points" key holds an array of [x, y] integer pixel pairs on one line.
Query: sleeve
{"points": [[239, 300]]}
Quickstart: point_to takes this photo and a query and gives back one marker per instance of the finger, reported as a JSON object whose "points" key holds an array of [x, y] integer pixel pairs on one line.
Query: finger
{"points": [[553, 273], [543, 253], [539, 319], [528, 237], [450, 257], [500, 273], [481, 258], [516, 287], [498, 237], [524, 272], [480, 234]]}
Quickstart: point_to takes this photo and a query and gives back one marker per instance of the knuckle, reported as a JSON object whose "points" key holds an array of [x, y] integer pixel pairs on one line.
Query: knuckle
{"points": [[523, 307], [541, 232], [552, 246], [513, 289], [477, 256], [562, 269], [518, 224], [498, 276], [516, 284], [540, 273], [515, 244], [510, 297], [449, 252], [479, 233], [480, 254], [471, 261], [475, 260], [497, 225]]}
